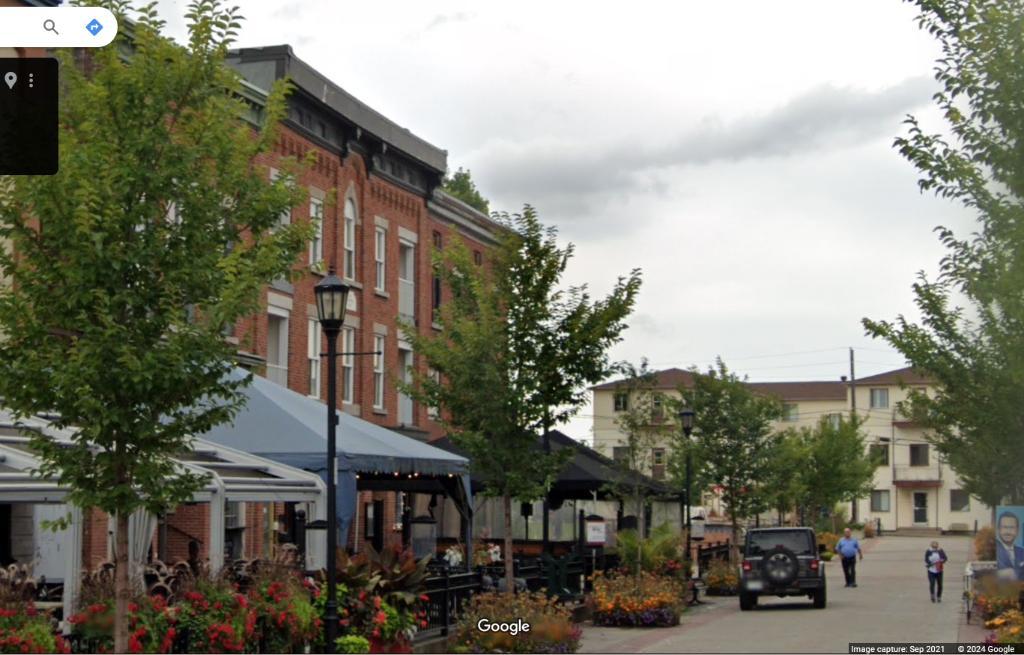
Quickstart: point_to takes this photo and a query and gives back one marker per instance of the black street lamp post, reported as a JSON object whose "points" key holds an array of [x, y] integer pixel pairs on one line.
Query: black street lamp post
{"points": [[686, 421], [331, 299]]}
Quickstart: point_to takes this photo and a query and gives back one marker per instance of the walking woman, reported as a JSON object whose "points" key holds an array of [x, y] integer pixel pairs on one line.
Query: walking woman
{"points": [[934, 559]]}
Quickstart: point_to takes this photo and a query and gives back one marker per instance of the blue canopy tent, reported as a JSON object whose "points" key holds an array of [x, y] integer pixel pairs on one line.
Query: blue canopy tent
{"points": [[288, 427]]}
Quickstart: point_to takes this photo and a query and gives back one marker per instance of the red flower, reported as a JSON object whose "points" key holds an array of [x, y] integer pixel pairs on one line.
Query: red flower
{"points": [[241, 600], [380, 618], [425, 598], [423, 624], [376, 633], [132, 607], [376, 602]]}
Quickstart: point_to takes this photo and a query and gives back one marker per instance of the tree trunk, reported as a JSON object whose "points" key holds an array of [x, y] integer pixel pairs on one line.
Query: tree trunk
{"points": [[122, 585], [510, 585], [734, 551]]}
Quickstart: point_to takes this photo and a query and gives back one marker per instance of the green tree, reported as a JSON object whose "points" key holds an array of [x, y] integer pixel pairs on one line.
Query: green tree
{"points": [[645, 427], [970, 338], [784, 485], [128, 266], [460, 184], [836, 467], [732, 440], [514, 356]]}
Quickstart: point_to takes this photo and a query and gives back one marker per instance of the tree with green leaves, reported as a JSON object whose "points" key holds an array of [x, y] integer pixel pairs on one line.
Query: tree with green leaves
{"points": [[644, 427], [784, 485], [461, 185], [127, 267], [836, 466], [732, 442], [970, 337], [514, 357]]}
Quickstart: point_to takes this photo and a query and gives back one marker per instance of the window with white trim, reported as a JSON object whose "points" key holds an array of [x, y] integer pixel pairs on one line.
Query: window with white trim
{"points": [[313, 355], [348, 371], [277, 346], [350, 239], [285, 217], [880, 500], [378, 372], [432, 411], [316, 245], [879, 399], [790, 412], [380, 243]]}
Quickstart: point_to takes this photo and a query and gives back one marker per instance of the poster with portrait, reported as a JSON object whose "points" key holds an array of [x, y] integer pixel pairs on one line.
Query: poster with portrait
{"points": [[1010, 541]]}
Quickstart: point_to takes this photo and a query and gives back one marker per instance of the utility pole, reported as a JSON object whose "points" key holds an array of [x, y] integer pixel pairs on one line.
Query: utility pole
{"points": [[853, 417]]}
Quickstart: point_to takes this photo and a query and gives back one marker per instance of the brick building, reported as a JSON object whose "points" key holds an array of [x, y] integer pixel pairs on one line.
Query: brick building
{"points": [[375, 188]]}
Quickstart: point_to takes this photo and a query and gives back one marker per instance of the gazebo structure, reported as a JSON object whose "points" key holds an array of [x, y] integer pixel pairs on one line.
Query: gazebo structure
{"points": [[232, 475]]}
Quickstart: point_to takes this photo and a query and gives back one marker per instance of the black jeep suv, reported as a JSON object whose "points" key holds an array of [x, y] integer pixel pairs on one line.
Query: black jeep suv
{"points": [[781, 562]]}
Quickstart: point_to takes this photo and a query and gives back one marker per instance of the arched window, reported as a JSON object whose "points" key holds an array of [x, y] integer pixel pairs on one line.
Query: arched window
{"points": [[349, 266]]}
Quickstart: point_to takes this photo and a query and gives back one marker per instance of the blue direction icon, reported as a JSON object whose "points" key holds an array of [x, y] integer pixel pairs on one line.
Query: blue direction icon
{"points": [[94, 27]]}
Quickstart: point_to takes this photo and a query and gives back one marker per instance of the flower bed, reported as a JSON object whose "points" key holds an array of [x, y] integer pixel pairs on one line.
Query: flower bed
{"points": [[551, 627], [721, 579], [648, 601], [994, 597], [24, 630], [1008, 628]]}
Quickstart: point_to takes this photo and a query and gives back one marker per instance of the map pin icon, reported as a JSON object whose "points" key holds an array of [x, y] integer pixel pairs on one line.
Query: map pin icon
{"points": [[10, 78]]}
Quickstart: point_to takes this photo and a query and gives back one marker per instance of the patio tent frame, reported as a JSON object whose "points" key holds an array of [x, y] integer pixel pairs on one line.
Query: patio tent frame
{"points": [[287, 484]]}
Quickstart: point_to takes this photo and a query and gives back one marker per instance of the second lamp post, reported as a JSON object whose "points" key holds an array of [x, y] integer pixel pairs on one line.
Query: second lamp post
{"points": [[331, 300], [686, 421]]}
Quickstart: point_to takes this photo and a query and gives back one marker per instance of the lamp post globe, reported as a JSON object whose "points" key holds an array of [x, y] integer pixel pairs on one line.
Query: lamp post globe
{"points": [[331, 301]]}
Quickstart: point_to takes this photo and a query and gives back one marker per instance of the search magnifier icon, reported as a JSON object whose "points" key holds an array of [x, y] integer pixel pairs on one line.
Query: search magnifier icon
{"points": [[50, 26]]}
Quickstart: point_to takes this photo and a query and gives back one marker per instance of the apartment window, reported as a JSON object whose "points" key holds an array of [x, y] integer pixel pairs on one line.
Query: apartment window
{"points": [[369, 529], [620, 454], [316, 216], [478, 258], [313, 354], [789, 412], [834, 420], [959, 500], [378, 372], [277, 347], [380, 242], [880, 500], [658, 456], [350, 239], [436, 282], [658, 409], [285, 218], [432, 411], [879, 453], [879, 399], [438, 242], [919, 454], [621, 402], [348, 346]]}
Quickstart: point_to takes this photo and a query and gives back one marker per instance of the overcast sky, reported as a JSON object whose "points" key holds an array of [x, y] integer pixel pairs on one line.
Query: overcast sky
{"points": [[740, 153]]}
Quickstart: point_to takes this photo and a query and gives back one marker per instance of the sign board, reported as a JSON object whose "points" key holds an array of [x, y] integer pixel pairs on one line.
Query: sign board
{"points": [[597, 534], [697, 528]]}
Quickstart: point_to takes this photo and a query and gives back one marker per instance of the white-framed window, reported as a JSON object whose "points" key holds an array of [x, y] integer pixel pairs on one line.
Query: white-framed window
{"points": [[880, 500], [432, 411], [959, 500], [879, 399], [277, 346], [621, 401], [313, 354], [834, 420], [380, 244], [348, 371], [378, 372], [286, 216], [790, 412], [316, 245], [350, 239]]}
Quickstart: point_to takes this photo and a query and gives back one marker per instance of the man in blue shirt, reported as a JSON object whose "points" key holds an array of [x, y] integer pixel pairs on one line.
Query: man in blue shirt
{"points": [[849, 548]]}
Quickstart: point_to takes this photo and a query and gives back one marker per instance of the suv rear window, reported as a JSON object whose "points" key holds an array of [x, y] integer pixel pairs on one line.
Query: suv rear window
{"points": [[798, 541]]}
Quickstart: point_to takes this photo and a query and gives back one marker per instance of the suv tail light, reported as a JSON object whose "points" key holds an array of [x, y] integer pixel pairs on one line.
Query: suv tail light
{"points": [[747, 566], [814, 565]]}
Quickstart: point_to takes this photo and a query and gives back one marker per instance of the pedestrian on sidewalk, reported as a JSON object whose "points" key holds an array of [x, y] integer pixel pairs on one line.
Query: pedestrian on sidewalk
{"points": [[849, 549], [934, 560]]}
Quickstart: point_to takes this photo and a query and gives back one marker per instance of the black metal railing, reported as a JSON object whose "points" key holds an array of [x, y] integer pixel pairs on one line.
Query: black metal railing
{"points": [[447, 593]]}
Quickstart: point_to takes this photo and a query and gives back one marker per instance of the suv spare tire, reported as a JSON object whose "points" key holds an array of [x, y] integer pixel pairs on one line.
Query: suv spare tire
{"points": [[780, 566]]}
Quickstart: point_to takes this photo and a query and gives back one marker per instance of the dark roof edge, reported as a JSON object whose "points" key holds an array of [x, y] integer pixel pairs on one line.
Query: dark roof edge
{"points": [[463, 216], [344, 103]]}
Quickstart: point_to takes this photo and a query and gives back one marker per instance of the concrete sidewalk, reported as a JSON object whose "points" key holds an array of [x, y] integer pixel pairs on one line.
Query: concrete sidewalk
{"points": [[890, 603]]}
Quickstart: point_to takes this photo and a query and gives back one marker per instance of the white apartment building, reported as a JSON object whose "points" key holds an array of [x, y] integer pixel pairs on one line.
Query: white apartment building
{"points": [[912, 487]]}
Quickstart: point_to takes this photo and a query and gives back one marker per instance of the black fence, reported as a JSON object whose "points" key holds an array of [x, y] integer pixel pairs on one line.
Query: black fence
{"points": [[706, 554], [446, 594]]}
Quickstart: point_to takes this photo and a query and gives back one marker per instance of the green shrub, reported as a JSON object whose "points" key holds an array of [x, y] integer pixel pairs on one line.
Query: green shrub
{"points": [[24, 630], [351, 644], [654, 553]]}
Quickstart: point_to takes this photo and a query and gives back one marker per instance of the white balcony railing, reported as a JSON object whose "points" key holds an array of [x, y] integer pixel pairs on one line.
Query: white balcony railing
{"points": [[930, 473], [406, 298], [277, 374]]}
